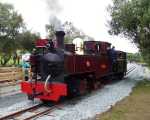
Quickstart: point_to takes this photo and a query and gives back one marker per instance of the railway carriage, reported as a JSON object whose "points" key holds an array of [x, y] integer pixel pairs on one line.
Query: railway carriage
{"points": [[59, 72]]}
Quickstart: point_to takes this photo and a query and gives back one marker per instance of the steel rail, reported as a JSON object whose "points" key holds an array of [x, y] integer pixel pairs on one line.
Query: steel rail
{"points": [[130, 70], [19, 112], [47, 111], [34, 110]]}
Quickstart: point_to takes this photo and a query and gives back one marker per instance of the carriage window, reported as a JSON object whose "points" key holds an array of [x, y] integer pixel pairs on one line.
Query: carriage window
{"points": [[120, 55], [88, 48]]}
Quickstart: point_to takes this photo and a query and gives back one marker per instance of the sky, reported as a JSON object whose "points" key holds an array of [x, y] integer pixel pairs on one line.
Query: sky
{"points": [[90, 16]]}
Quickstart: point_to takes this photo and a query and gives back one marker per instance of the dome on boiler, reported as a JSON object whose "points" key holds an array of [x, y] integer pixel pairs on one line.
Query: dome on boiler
{"points": [[78, 45]]}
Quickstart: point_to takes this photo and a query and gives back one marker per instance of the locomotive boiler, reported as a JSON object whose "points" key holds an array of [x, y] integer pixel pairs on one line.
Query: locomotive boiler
{"points": [[57, 71]]}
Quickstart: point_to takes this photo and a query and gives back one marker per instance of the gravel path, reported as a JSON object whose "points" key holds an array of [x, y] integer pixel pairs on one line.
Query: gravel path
{"points": [[9, 90], [15, 103], [12, 99]]}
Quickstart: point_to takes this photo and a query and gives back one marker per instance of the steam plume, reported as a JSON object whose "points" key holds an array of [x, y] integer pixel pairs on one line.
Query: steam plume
{"points": [[54, 6], [56, 23]]}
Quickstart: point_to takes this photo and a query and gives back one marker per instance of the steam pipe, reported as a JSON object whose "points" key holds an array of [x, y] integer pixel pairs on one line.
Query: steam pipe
{"points": [[46, 84]]}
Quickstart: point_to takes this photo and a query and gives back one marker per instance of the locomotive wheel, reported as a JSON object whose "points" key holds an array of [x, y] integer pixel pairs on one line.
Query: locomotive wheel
{"points": [[120, 76], [97, 85], [83, 87], [47, 102], [72, 89], [90, 83], [76, 87]]}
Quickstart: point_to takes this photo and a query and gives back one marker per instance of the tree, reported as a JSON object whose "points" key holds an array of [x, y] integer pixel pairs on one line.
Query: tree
{"points": [[10, 25], [50, 30], [72, 32], [136, 57], [131, 18], [27, 39]]}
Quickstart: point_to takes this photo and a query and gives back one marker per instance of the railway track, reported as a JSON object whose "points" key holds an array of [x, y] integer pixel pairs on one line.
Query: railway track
{"points": [[130, 70], [31, 112], [40, 109]]}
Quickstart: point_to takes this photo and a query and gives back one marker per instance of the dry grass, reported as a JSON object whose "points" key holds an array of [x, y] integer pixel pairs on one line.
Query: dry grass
{"points": [[134, 107]]}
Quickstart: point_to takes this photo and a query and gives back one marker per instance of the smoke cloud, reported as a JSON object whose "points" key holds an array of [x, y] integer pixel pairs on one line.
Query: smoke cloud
{"points": [[54, 6], [56, 23]]}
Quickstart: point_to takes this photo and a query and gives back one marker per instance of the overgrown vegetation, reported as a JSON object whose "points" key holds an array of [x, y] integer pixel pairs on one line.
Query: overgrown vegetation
{"points": [[131, 18], [134, 107], [135, 57]]}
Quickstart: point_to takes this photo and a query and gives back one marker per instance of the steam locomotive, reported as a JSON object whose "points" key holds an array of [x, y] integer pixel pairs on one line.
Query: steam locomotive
{"points": [[57, 71]]}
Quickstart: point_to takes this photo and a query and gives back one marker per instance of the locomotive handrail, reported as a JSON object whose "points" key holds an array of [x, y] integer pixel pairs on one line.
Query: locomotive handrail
{"points": [[46, 82]]}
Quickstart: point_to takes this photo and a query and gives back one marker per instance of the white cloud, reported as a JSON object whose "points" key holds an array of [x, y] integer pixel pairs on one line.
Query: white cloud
{"points": [[89, 15], [34, 13]]}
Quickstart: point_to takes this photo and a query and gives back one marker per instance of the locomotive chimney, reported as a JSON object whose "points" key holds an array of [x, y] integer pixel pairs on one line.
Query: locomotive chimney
{"points": [[60, 39]]}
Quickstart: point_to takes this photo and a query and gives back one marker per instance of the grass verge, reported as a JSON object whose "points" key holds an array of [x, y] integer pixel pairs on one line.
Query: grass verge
{"points": [[134, 107]]}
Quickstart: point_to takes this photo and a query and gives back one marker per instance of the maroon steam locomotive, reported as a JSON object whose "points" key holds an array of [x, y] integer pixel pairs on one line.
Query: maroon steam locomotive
{"points": [[59, 72]]}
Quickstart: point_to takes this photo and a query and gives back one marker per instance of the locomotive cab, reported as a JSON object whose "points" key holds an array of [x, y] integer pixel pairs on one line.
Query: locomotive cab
{"points": [[96, 47]]}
